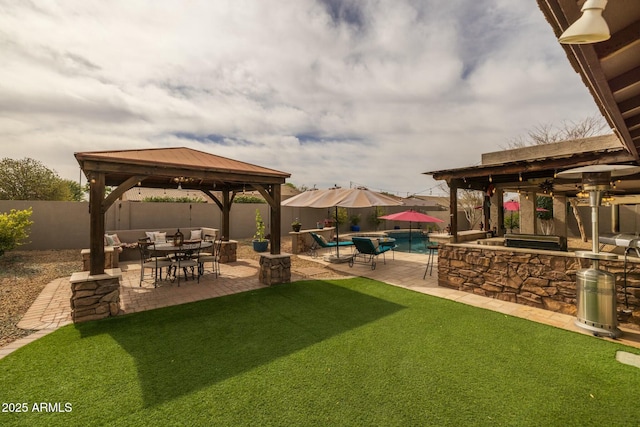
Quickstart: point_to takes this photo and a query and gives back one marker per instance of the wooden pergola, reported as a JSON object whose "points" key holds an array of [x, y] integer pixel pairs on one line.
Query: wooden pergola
{"points": [[218, 177], [535, 170]]}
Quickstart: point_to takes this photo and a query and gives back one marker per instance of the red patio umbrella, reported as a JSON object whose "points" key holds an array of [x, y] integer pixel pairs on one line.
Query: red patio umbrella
{"points": [[411, 216], [511, 205]]}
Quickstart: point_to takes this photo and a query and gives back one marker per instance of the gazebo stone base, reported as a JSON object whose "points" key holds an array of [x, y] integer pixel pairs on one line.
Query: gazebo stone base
{"points": [[95, 297], [228, 252], [275, 269]]}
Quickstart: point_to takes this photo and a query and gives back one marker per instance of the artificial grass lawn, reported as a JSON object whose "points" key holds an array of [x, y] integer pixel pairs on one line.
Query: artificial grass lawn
{"points": [[345, 352]]}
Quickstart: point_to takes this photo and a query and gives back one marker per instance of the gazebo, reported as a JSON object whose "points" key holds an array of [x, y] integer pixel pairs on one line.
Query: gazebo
{"points": [[218, 177]]}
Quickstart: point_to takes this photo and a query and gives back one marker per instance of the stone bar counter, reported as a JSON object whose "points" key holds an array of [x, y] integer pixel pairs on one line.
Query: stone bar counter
{"points": [[538, 278]]}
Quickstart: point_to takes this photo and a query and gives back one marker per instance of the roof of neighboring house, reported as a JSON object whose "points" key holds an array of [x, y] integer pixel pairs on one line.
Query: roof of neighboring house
{"points": [[427, 201]]}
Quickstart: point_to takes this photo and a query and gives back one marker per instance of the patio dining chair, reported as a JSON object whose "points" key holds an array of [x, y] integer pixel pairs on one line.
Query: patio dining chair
{"points": [[213, 258], [184, 260], [367, 250], [150, 261]]}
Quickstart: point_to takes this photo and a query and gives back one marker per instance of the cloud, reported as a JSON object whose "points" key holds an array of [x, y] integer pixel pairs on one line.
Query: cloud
{"points": [[331, 91]]}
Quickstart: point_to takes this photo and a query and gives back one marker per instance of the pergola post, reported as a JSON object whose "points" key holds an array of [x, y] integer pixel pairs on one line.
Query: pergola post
{"points": [[486, 211], [497, 211], [453, 210]]}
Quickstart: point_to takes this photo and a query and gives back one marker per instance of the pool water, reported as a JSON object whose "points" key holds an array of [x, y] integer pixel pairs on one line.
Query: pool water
{"points": [[414, 242]]}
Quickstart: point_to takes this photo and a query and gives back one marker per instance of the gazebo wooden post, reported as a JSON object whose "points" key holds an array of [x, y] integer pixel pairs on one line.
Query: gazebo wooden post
{"points": [[275, 267], [276, 216], [95, 294], [96, 225], [226, 209], [453, 209]]}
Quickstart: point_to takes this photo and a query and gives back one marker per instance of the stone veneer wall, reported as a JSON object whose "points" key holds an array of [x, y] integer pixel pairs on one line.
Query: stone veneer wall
{"points": [[95, 297], [228, 252], [544, 279], [111, 258], [275, 269]]}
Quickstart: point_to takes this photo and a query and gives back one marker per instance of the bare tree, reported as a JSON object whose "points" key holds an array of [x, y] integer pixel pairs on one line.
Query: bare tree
{"points": [[568, 130], [469, 200]]}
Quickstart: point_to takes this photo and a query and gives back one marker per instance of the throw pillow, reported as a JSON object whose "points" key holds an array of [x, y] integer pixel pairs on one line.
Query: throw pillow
{"points": [[108, 240], [116, 239], [196, 235], [151, 235], [160, 237]]}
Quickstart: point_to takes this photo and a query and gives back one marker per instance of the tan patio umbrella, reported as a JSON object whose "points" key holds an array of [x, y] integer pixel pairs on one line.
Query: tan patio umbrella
{"points": [[340, 197]]}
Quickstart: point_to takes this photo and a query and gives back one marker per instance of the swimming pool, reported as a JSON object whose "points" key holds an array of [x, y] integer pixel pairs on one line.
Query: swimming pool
{"points": [[414, 242]]}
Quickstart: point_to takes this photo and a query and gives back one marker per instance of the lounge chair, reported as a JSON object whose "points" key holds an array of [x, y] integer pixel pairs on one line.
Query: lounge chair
{"points": [[368, 250], [319, 241]]}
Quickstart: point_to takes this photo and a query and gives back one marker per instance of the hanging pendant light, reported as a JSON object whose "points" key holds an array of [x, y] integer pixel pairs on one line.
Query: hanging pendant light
{"points": [[590, 28]]}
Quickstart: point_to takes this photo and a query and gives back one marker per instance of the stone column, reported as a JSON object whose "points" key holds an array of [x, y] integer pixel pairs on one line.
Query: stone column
{"points": [[229, 251], [95, 297], [275, 269], [560, 216], [528, 213]]}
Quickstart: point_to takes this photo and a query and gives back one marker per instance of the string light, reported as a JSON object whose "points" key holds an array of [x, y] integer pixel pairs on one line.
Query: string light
{"points": [[520, 176], [490, 178]]}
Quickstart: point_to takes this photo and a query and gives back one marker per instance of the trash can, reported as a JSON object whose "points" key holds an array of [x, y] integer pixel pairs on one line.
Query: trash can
{"points": [[596, 302]]}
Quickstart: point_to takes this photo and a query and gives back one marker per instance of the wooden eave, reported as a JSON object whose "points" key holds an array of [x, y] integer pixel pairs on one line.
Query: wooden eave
{"points": [[611, 69], [519, 173]]}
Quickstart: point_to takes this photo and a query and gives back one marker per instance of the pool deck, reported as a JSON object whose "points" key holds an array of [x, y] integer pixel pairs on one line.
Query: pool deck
{"points": [[51, 310]]}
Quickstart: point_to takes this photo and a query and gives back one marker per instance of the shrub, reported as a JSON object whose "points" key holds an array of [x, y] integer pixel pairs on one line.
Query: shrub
{"points": [[374, 219], [342, 216], [167, 199], [14, 227], [259, 227], [245, 198]]}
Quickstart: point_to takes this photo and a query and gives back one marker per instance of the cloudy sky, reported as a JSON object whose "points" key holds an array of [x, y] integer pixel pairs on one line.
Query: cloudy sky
{"points": [[334, 92]]}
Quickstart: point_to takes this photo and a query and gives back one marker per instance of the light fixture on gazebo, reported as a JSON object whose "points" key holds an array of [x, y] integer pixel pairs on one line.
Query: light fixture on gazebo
{"points": [[180, 179], [590, 27]]}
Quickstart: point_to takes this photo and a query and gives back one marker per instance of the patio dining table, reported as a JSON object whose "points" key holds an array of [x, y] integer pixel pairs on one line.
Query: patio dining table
{"points": [[187, 246], [181, 252]]}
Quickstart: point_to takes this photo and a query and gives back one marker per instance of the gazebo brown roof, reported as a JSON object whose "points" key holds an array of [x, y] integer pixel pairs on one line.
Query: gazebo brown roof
{"points": [[170, 167]]}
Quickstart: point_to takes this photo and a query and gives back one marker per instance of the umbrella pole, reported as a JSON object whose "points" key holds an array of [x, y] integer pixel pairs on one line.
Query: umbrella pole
{"points": [[337, 236], [410, 237]]}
